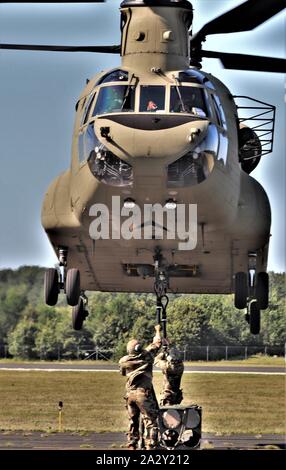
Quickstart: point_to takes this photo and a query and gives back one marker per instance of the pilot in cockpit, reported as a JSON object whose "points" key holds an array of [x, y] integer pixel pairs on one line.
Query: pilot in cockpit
{"points": [[189, 106], [151, 106], [184, 101]]}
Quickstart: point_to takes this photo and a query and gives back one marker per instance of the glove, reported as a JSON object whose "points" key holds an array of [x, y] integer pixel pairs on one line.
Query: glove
{"points": [[157, 337], [158, 334]]}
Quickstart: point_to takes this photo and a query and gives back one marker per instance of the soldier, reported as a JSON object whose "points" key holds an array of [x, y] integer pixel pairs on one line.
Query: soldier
{"points": [[140, 396], [172, 367], [151, 106]]}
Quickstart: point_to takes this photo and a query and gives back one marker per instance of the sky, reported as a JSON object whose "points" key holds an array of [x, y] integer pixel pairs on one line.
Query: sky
{"points": [[38, 92]]}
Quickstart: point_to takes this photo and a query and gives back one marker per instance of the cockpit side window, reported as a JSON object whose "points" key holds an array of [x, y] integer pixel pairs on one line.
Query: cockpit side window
{"points": [[219, 111], [87, 141], [115, 99], [222, 127], [152, 98], [188, 99], [87, 109], [115, 76]]}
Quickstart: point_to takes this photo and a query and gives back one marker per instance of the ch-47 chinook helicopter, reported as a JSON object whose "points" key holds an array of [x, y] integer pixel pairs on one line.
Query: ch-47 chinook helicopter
{"points": [[159, 130]]}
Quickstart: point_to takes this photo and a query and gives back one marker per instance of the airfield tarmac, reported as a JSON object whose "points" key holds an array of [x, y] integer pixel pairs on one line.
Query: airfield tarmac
{"points": [[117, 441]]}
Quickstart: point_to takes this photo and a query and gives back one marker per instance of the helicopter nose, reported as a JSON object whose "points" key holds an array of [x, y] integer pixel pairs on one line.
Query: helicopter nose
{"points": [[168, 138]]}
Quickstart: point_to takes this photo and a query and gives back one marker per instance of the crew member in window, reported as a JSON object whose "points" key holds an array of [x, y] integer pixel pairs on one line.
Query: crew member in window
{"points": [[151, 106], [116, 98]]}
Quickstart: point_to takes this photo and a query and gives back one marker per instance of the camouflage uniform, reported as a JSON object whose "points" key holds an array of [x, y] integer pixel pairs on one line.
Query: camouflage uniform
{"points": [[172, 367], [140, 396]]}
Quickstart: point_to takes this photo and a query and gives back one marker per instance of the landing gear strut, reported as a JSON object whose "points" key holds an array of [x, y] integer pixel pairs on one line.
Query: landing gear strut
{"points": [[252, 292], [70, 279], [55, 278], [63, 255]]}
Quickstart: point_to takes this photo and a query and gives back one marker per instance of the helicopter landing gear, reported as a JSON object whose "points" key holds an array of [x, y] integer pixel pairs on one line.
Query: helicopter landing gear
{"points": [[55, 278], [254, 317], [51, 286], [241, 290], [252, 292], [62, 279], [262, 290], [69, 282], [72, 285], [79, 312]]}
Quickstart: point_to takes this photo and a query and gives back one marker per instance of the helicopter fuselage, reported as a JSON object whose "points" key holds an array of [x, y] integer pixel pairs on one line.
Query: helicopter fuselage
{"points": [[151, 137]]}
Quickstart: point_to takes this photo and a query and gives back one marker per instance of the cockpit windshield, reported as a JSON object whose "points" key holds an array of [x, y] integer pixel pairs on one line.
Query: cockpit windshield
{"points": [[121, 98], [188, 99], [115, 99], [152, 98]]}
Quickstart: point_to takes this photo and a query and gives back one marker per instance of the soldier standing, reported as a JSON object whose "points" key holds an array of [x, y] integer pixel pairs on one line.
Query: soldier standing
{"points": [[140, 397], [172, 367]]}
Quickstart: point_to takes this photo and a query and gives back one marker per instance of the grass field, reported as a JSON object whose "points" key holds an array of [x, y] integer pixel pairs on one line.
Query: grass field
{"points": [[93, 401], [257, 360]]}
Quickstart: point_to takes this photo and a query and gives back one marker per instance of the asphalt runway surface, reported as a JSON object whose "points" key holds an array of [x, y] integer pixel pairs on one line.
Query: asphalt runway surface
{"points": [[89, 367], [117, 441]]}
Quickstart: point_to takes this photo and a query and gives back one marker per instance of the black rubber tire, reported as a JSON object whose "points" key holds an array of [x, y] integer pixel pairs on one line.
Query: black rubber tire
{"points": [[78, 315], [241, 290], [254, 318], [51, 286], [73, 286], [262, 290]]}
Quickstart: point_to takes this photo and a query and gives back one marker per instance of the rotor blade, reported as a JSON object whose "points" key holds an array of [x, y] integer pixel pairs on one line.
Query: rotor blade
{"points": [[27, 47], [248, 62], [244, 17]]}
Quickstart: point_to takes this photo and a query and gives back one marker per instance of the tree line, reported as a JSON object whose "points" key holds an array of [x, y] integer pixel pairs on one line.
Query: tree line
{"points": [[29, 329]]}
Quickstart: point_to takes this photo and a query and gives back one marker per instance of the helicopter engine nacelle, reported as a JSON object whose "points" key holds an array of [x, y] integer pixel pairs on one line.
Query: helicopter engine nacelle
{"points": [[250, 148]]}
